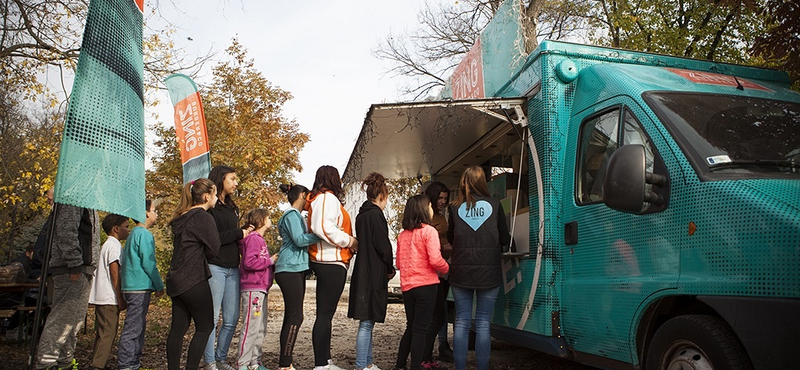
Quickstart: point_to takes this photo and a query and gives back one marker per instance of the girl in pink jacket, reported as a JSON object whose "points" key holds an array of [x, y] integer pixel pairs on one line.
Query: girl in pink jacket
{"points": [[419, 258], [255, 274]]}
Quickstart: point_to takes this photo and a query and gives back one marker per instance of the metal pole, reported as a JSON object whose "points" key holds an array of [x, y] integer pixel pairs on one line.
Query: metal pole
{"points": [[42, 279]]}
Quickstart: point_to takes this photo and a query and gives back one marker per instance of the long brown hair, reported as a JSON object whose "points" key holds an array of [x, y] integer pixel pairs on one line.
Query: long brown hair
{"points": [[473, 182], [327, 179], [217, 175], [375, 185], [192, 195]]}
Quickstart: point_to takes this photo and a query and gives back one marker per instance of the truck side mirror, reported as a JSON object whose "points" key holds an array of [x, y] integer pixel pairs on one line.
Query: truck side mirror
{"points": [[624, 182]]}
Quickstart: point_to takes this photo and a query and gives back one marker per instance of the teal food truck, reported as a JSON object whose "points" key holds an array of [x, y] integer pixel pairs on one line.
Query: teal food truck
{"points": [[654, 200]]}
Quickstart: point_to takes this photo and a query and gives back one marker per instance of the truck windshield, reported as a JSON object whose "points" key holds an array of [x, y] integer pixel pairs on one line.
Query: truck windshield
{"points": [[726, 134]]}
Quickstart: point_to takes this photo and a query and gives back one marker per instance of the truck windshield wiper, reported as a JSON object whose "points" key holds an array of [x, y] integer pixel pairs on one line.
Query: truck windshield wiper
{"points": [[754, 162]]}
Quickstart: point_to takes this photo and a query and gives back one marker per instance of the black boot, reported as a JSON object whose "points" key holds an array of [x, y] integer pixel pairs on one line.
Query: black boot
{"points": [[445, 352]]}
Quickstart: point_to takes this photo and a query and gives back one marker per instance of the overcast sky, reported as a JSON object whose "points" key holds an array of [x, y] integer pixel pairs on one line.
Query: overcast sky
{"points": [[320, 51]]}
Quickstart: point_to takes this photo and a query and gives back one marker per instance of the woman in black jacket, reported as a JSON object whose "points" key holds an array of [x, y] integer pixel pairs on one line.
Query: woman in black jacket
{"points": [[224, 266], [373, 269], [478, 232]]}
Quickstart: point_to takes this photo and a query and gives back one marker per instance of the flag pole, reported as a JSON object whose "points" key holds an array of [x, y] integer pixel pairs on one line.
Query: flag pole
{"points": [[37, 317]]}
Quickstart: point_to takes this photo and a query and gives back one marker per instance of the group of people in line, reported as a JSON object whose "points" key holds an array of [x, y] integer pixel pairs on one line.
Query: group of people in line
{"points": [[219, 267]]}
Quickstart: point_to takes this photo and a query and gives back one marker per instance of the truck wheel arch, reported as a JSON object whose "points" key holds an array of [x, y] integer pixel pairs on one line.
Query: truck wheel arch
{"points": [[703, 341], [662, 310]]}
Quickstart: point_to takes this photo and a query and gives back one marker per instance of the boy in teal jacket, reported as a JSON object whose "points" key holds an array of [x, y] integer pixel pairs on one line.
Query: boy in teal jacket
{"points": [[140, 277]]}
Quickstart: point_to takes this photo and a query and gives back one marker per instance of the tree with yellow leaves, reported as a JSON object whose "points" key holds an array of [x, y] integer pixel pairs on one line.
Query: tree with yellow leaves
{"points": [[28, 160], [246, 131]]}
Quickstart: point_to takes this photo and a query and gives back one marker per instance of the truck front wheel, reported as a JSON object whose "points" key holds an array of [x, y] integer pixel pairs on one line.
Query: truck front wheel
{"points": [[696, 342]]}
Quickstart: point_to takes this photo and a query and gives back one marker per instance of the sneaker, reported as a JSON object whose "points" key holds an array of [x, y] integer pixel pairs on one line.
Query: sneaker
{"points": [[222, 365], [72, 366], [398, 368], [431, 365], [445, 352], [372, 367], [211, 366], [331, 366], [291, 367]]}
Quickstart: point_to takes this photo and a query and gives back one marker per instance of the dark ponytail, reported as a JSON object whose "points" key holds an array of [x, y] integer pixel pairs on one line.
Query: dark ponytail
{"points": [[293, 191]]}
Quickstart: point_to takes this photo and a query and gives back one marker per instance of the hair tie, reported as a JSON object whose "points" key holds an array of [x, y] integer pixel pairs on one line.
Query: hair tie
{"points": [[192, 182]]}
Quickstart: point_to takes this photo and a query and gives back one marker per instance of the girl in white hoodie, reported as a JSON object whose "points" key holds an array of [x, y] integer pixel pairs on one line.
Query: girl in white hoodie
{"points": [[329, 257]]}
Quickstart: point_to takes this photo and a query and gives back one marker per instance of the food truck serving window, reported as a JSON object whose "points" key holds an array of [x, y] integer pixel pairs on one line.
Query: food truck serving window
{"points": [[441, 139], [429, 138]]}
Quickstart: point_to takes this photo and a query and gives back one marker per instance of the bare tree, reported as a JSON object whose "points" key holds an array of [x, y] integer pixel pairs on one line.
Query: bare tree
{"points": [[429, 53], [37, 36], [447, 32]]}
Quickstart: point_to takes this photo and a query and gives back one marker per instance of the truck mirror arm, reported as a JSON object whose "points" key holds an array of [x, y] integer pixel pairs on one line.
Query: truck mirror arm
{"points": [[656, 180]]}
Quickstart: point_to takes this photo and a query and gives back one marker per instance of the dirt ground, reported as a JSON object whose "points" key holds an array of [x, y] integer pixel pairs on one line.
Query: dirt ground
{"points": [[386, 338]]}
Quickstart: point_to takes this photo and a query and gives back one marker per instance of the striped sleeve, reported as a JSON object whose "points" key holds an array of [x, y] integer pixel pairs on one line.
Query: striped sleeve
{"points": [[326, 218]]}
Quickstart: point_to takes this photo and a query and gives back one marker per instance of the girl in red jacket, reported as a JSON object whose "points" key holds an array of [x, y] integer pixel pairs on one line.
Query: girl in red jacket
{"points": [[419, 258]]}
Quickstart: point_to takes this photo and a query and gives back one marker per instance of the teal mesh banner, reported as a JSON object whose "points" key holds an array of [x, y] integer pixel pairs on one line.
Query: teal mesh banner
{"points": [[101, 165]]}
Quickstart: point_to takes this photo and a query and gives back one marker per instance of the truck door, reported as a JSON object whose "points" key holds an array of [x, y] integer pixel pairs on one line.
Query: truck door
{"points": [[612, 260]]}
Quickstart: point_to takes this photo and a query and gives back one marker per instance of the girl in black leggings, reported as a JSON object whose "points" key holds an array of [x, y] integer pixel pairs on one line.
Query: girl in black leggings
{"points": [[328, 257], [194, 236], [194, 304], [291, 269]]}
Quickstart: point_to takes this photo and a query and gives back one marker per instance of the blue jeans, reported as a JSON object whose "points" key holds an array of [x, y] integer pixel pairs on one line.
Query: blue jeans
{"points": [[483, 315], [131, 341], [364, 344], [224, 285]]}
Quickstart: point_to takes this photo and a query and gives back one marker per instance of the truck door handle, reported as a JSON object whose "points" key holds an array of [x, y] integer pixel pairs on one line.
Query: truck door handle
{"points": [[571, 233]]}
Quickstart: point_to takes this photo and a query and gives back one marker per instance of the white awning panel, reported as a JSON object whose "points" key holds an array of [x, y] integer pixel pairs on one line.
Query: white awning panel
{"points": [[428, 138]]}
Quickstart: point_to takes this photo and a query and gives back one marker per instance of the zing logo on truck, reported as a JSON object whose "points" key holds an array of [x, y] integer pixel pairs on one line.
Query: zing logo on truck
{"points": [[716, 79]]}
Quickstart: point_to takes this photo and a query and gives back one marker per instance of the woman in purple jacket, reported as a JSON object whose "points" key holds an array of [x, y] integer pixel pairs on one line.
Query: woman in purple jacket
{"points": [[255, 271]]}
